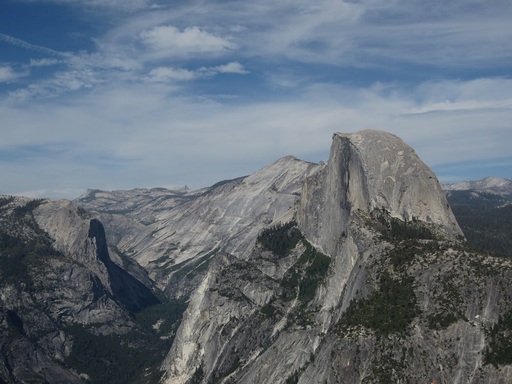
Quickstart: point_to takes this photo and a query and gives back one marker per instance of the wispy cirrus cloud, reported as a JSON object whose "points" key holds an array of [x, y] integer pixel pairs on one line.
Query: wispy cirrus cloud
{"points": [[33, 47], [194, 92], [170, 41], [164, 74], [43, 62], [126, 5]]}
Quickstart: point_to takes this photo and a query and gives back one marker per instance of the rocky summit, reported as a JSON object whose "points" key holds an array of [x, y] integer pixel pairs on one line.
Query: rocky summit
{"points": [[353, 271]]}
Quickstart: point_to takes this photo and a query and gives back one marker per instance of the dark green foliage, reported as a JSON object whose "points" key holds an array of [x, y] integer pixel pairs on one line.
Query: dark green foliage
{"points": [[316, 267], [234, 366], [449, 303], [395, 229], [290, 283], [15, 322], [280, 239], [6, 200], [12, 265], [388, 310], [224, 182], [134, 357], [268, 310], [198, 376], [383, 372], [306, 275], [485, 219], [27, 209], [403, 254], [130, 357], [25, 243], [302, 280], [101, 357], [474, 198], [16, 253], [171, 312], [441, 320], [499, 338], [293, 379]]}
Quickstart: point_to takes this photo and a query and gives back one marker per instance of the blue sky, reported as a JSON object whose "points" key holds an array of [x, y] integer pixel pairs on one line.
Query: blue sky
{"points": [[119, 94]]}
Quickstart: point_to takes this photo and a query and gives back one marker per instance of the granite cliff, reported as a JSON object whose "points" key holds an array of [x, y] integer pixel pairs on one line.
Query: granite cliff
{"points": [[176, 233], [369, 281], [353, 271], [58, 286]]}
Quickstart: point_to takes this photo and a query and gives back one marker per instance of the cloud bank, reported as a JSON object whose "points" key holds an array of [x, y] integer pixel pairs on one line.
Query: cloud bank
{"points": [[197, 92]]}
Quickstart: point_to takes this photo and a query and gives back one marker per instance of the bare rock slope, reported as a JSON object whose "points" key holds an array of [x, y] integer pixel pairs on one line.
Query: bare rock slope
{"points": [[371, 170], [176, 233], [57, 284], [368, 281]]}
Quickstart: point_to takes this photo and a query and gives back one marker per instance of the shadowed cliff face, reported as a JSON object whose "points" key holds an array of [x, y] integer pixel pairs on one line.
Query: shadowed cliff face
{"points": [[97, 232], [329, 196], [83, 239], [43, 291], [125, 288]]}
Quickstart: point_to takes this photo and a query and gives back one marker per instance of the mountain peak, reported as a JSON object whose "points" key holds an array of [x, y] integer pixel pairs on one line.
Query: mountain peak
{"points": [[370, 170]]}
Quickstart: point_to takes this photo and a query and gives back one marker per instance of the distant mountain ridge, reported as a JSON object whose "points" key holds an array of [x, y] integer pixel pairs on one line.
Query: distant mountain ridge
{"points": [[484, 212], [490, 184]]}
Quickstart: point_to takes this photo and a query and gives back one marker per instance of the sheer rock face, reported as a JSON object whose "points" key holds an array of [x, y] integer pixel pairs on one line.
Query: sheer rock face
{"points": [[242, 327], [70, 229], [83, 239], [61, 276], [261, 313], [371, 170], [168, 231]]}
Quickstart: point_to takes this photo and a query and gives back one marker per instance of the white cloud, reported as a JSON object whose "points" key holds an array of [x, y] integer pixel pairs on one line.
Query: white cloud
{"points": [[133, 114], [126, 5], [33, 47], [61, 82], [233, 67], [118, 139], [496, 88], [366, 33], [43, 62], [168, 40], [165, 74], [7, 74]]}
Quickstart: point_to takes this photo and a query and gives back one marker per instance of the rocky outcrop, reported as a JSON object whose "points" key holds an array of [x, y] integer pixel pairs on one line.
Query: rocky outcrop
{"points": [[176, 233], [392, 296], [371, 170], [354, 271], [57, 279], [83, 238]]}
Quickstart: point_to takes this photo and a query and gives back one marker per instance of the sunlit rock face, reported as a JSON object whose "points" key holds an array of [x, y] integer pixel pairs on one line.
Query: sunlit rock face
{"points": [[381, 221], [353, 271], [371, 170], [173, 233]]}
